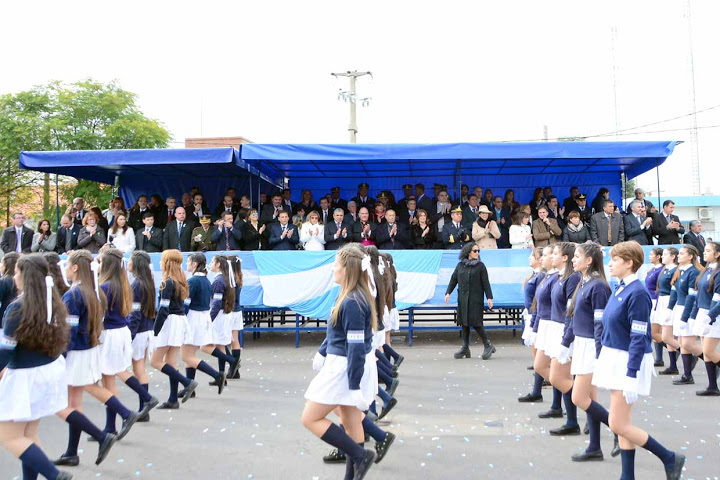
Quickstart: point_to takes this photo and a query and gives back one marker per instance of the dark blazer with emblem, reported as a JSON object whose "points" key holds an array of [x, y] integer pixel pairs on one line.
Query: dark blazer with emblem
{"points": [[8, 243], [170, 236], [460, 236], [154, 244]]}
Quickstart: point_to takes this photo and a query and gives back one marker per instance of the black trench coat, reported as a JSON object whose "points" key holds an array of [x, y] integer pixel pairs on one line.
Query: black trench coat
{"points": [[473, 286]]}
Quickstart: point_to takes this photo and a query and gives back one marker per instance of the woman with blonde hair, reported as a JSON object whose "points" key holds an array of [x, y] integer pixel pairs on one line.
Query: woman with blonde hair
{"points": [[312, 233]]}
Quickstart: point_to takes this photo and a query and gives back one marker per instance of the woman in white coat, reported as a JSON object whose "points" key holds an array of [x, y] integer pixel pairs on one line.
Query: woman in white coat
{"points": [[312, 233], [520, 231], [121, 235]]}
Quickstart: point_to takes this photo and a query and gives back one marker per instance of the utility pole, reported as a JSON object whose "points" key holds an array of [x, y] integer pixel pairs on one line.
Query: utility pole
{"points": [[694, 155], [351, 97]]}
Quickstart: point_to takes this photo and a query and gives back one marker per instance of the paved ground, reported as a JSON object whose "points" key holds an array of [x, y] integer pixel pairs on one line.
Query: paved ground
{"points": [[455, 419]]}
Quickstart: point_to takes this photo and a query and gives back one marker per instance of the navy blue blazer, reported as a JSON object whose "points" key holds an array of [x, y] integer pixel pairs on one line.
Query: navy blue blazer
{"points": [[62, 238], [234, 238], [399, 241], [287, 243], [331, 243]]}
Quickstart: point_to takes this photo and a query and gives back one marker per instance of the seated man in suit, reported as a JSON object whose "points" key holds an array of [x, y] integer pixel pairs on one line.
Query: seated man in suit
{"points": [[637, 226], [336, 201], [149, 238], [271, 212], [202, 236], [423, 201], [364, 228], [606, 227], [501, 215], [667, 226], [582, 208], [352, 213], [408, 216], [326, 214], [392, 235], [454, 234], [227, 205], [470, 213], [199, 208], [136, 213], [67, 235], [17, 238], [694, 238], [283, 235], [226, 236], [570, 203], [178, 233], [337, 232]]}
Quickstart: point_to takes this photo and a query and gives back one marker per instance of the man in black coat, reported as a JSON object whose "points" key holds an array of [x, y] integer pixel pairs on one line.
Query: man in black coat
{"points": [[227, 205], [470, 212], [337, 202], [408, 216], [454, 234], [694, 238], [599, 226], [638, 227], [423, 201], [283, 235], [135, 215], [227, 236], [392, 235], [407, 193], [149, 238], [67, 235], [666, 226], [570, 203], [364, 228], [649, 207], [337, 232], [77, 212], [362, 199], [502, 218], [17, 238], [178, 233], [270, 212], [582, 208]]}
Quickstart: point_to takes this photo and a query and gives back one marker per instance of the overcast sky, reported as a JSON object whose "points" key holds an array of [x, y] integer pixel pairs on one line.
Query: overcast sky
{"points": [[442, 71]]}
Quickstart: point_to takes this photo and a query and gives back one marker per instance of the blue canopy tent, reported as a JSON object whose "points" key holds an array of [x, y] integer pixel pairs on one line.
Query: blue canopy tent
{"points": [[499, 166], [162, 171]]}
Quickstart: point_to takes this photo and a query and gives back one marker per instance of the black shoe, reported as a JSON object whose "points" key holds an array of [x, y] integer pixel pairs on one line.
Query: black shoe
{"points": [[546, 384], [144, 418], [236, 376], [616, 447], [221, 383], [193, 394], [400, 359], [586, 429], [169, 406], [127, 425], [67, 461], [362, 467], [596, 456], [394, 374], [63, 476], [669, 371], [393, 387], [189, 390], [552, 413], [214, 383], [676, 472], [334, 457], [708, 392], [531, 367], [234, 369], [684, 381], [659, 363], [105, 447], [566, 431], [530, 398], [382, 447], [462, 353], [489, 350], [386, 410], [145, 412]]}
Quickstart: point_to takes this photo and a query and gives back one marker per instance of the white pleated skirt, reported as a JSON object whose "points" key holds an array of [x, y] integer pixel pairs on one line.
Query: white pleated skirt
{"points": [[142, 345], [583, 356], [199, 328], [549, 338], [662, 314], [653, 310], [379, 338], [700, 322], [528, 336], [116, 350], [392, 320], [28, 394], [172, 333], [330, 386], [82, 367], [222, 328], [714, 330], [238, 321], [680, 328], [611, 371]]}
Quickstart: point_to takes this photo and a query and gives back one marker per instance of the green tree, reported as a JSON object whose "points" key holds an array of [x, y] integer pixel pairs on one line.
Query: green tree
{"points": [[630, 188], [85, 115]]}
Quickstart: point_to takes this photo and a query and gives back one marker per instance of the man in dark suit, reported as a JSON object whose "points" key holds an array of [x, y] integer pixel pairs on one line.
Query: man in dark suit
{"points": [[337, 202], [283, 236], [569, 204], [149, 238], [271, 212], [582, 208], [407, 193], [178, 233], [337, 232], [226, 236], [666, 226], [199, 208], [470, 212], [463, 199], [243, 208], [227, 205], [362, 199], [166, 213], [554, 211], [606, 227], [409, 215], [502, 218], [325, 212], [352, 213], [67, 235], [423, 201], [17, 238], [392, 235], [649, 207], [694, 238], [637, 226], [364, 228], [135, 214], [454, 234], [77, 212], [288, 204]]}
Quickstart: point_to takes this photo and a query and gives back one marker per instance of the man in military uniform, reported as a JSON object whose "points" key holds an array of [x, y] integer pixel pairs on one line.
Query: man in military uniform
{"points": [[201, 236], [454, 234], [362, 199]]}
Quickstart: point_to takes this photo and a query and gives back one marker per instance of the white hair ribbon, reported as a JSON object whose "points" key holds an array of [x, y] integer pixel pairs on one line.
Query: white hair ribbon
{"points": [[381, 266], [63, 265], [232, 274], [49, 284], [367, 267], [95, 267]]}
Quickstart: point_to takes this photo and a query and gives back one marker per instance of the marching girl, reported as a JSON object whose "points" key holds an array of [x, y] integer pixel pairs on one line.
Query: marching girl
{"points": [[625, 364], [585, 331], [238, 321], [170, 326], [141, 319], [8, 291], [394, 314], [529, 288], [221, 312], [651, 285], [663, 313], [33, 383], [542, 307], [684, 281], [347, 378], [58, 275], [708, 296], [198, 334], [116, 339]]}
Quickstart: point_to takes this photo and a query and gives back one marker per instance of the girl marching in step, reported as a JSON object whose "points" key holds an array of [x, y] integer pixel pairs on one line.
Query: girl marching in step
{"points": [[116, 339], [529, 288], [33, 383], [394, 317], [221, 313], [55, 269], [170, 326], [704, 313], [663, 312], [651, 285], [625, 365], [8, 291], [684, 282], [347, 378], [238, 323]]}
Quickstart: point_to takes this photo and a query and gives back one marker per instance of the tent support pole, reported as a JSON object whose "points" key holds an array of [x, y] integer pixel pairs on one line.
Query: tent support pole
{"points": [[251, 191], [259, 173], [623, 186], [657, 174], [57, 199]]}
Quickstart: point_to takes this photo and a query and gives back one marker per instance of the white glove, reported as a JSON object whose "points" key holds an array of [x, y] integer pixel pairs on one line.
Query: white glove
{"points": [[528, 341], [705, 320], [358, 400], [318, 361], [630, 392], [564, 355]]}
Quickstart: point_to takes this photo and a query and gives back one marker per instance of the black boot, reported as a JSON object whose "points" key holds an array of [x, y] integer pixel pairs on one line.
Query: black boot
{"points": [[464, 352], [489, 349]]}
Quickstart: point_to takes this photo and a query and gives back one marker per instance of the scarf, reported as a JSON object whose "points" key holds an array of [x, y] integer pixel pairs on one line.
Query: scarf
{"points": [[470, 263], [575, 228]]}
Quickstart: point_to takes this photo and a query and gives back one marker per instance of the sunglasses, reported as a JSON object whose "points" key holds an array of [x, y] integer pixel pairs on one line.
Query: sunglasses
{"points": [[475, 250]]}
